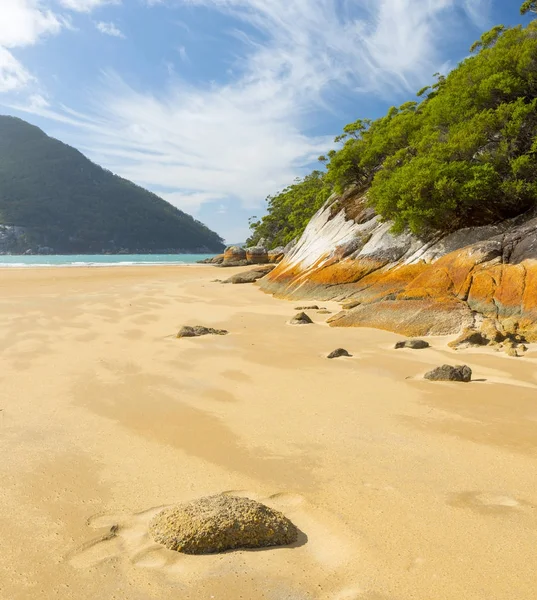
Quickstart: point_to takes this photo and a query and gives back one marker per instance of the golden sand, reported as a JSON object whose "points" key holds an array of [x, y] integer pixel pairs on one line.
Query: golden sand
{"points": [[403, 489]]}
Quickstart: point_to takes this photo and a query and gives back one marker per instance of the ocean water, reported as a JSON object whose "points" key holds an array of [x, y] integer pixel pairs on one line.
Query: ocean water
{"points": [[100, 260]]}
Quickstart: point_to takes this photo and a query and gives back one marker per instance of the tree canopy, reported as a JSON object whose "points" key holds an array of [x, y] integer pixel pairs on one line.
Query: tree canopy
{"points": [[464, 154]]}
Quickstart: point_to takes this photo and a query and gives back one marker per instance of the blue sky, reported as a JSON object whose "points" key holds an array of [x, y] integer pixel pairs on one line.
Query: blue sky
{"points": [[214, 104]]}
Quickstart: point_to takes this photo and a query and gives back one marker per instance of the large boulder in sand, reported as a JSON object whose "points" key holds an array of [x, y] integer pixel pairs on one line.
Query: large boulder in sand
{"points": [[219, 523], [449, 373], [199, 330], [257, 255], [250, 276], [234, 256]]}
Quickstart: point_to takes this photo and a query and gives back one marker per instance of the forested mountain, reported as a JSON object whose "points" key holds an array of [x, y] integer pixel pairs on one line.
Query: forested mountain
{"points": [[463, 153], [52, 196]]}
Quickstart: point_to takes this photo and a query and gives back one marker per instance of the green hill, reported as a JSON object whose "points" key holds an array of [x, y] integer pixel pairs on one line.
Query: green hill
{"points": [[63, 201]]}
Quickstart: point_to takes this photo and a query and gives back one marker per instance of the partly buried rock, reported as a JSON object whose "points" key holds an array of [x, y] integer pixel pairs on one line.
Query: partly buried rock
{"points": [[448, 373], [312, 307], [199, 330], [250, 276], [413, 344], [301, 319], [339, 352], [234, 256], [219, 523]]}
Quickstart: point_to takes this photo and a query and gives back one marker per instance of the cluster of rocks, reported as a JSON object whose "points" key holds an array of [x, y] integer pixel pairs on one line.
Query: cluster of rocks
{"points": [[237, 256], [495, 334], [220, 523]]}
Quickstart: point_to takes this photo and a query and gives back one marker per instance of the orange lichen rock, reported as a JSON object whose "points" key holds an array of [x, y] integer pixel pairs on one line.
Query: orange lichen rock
{"points": [[477, 277]]}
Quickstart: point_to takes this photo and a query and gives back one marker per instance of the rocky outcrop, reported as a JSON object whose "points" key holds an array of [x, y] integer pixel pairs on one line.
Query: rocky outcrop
{"points": [[435, 286], [219, 523]]}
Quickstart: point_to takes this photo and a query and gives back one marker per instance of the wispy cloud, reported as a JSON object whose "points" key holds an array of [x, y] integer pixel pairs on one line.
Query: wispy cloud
{"points": [[109, 29], [86, 5]]}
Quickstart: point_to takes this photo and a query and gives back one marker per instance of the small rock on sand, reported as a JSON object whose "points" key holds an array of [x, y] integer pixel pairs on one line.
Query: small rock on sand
{"points": [[198, 330], [312, 307], [301, 319], [448, 373], [219, 523], [339, 352], [413, 344]]}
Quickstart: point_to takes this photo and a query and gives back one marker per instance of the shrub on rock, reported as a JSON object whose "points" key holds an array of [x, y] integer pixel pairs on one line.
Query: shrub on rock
{"points": [[219, 523]]}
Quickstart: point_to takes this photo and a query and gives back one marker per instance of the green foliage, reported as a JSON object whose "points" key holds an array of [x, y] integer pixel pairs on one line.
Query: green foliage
{"points": [[289, 211], [528, 6], [74, 206], [466, 154], [488, 39]]}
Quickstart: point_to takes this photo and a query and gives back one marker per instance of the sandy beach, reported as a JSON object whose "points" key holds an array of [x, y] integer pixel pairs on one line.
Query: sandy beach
{"points": [[402, 489]]}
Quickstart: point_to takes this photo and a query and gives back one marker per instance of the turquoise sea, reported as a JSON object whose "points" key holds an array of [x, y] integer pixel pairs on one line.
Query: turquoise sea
{"points": [[100, 260]]}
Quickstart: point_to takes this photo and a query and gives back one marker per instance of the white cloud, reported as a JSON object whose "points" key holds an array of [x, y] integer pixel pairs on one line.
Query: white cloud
{"points": [[109, 29], [13, 75], [86, 5], [22, 23]]}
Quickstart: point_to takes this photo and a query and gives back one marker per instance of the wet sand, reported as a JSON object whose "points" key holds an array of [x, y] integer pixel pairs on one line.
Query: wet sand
{"points": [[402, 488]]}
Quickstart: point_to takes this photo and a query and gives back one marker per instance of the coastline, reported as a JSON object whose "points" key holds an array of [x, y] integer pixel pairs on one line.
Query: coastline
{"points": [[404, 488]]}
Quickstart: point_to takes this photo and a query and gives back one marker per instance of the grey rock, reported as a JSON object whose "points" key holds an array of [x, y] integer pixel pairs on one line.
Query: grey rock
{"points": [[461, 373], [339, 352], [301, 319], [413, 344], [199, 330]]}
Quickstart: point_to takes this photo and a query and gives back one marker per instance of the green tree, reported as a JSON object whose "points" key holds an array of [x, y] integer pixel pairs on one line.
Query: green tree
{"points": [[528, 6]]}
